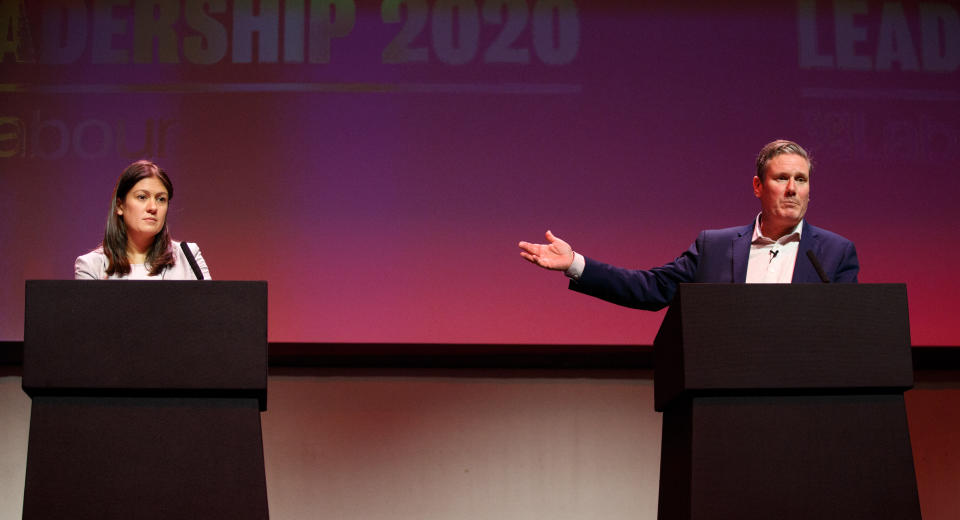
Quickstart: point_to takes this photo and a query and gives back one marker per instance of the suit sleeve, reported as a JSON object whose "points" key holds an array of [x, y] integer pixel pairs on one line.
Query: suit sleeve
{"points": [[650, 289]]}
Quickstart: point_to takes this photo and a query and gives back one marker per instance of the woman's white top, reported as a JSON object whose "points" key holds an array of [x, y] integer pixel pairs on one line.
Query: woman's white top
{"points": [[93, 266]]}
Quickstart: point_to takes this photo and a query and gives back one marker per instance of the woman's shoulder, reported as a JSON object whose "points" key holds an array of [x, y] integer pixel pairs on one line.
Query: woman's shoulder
{"points": [[185, 269], [97, 255], [177, 247], [92, 265]]}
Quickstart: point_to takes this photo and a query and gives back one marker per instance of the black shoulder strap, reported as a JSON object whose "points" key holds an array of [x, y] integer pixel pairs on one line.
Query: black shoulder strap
{"points": [[192, 260]]}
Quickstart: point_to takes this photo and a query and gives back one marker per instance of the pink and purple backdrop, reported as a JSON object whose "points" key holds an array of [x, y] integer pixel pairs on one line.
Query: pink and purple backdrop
{"points": [[377, 162]]}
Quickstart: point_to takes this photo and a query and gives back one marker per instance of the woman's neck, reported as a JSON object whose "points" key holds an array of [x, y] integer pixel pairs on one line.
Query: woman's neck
{"points": [[137, 250]]}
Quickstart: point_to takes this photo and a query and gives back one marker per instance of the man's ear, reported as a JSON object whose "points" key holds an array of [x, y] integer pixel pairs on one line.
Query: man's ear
{"points": [[757, 186]]}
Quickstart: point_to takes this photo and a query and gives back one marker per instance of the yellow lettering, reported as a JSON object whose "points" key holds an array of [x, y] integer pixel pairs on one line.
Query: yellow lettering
{"points": [[10, 14], [329, 19], [105, 26], [13, 137], [210, 46], [149, 28]]}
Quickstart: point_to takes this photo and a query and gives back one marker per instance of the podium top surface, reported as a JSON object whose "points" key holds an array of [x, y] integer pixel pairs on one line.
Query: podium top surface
{"points": [[133, 337]]}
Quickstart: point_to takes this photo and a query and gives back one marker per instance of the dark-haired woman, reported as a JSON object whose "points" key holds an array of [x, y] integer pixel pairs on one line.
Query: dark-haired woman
{"points": [[136, 244]]}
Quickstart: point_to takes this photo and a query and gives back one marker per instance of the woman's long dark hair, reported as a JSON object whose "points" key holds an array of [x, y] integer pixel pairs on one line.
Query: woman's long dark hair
{"points": [[160, 254]]}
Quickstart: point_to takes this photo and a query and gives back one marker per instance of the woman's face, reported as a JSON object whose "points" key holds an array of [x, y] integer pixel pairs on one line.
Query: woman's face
{"points": [[144, 210]]}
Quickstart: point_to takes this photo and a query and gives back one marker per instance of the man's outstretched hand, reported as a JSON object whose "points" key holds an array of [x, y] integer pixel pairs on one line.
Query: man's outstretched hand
{"points": [[556, 254]]}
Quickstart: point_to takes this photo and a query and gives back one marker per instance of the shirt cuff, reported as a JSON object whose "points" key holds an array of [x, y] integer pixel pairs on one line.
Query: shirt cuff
{"points": [[575, 271]]}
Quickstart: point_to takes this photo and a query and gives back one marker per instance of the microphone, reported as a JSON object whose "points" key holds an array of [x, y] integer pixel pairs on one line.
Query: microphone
{"points": [[774, 253], [817, 266]]}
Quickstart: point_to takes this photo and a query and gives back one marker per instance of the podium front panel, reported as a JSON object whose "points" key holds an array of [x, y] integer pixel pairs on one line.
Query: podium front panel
{"points": [[103, 458]]}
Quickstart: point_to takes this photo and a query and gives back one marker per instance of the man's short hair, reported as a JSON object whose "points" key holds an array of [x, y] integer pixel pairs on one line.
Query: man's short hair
{"points": [[779, 147]]}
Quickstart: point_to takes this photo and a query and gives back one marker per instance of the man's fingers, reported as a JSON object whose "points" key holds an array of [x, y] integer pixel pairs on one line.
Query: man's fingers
{"points": [[550, 237], [531, 258], [529, 248]]}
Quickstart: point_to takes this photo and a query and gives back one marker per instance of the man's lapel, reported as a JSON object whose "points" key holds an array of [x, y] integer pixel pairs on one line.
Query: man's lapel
{"points": [[803, 270], [741, 253]]}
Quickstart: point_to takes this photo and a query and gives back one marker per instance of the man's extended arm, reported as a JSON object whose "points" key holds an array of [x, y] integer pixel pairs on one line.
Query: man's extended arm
{"points": [[651, 289], [647, 289]]}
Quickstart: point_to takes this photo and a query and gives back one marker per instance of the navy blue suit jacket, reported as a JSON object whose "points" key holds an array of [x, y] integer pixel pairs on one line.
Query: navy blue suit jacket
{"points": [[717, 256]]}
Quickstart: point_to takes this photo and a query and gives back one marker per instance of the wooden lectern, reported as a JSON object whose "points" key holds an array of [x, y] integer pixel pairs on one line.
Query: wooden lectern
{"points": [[786, 402], [146, 399]]}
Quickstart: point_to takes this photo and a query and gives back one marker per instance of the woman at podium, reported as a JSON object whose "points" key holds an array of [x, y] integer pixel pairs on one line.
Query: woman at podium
{"points": [[136, 243]]}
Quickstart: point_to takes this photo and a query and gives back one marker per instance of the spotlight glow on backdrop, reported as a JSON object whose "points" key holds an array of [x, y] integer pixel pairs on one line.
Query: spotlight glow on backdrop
{"points": [[377, 162]]}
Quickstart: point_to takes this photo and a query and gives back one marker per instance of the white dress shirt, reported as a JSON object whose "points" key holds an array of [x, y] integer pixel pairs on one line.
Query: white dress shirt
{"points": [[772, 261]]}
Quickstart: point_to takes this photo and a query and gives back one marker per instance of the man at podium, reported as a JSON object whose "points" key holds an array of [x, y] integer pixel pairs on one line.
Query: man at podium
{"points": [[779, 246]]}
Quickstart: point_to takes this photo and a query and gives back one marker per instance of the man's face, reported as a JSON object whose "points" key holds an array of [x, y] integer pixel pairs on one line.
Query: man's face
{"points": [[784, 191]]}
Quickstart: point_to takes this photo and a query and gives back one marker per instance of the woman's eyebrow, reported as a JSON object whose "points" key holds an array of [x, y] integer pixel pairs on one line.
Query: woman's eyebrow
{"points": [[148, 192]]}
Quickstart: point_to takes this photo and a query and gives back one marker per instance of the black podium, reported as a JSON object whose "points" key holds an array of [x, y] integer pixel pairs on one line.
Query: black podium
{"points": [[146, 399], [786, 402]]}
